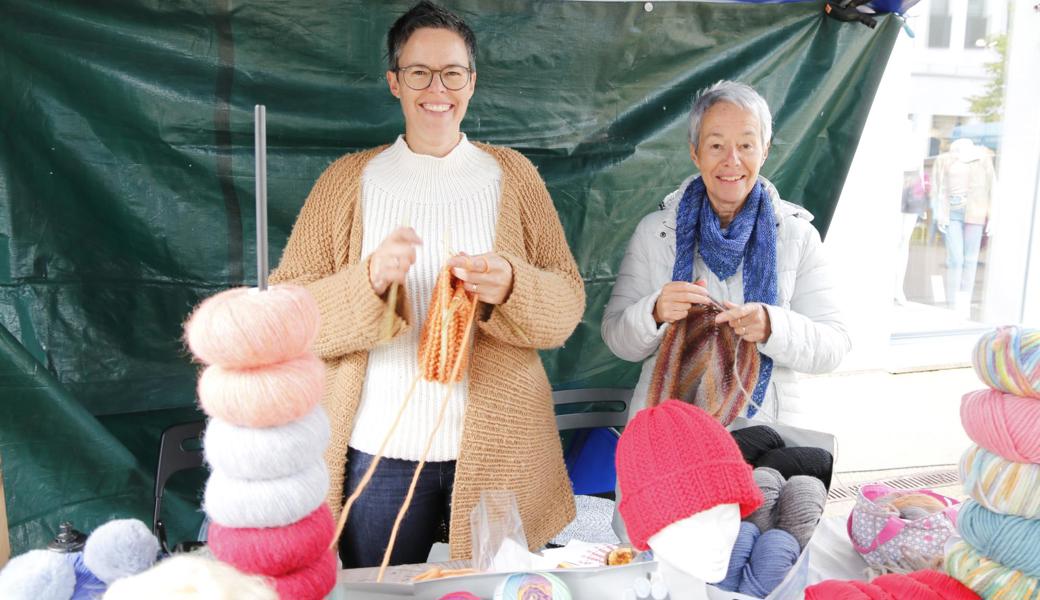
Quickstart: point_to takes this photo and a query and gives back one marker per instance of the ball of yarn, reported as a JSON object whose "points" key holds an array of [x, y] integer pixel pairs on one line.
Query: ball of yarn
{"points": [[1006, 487], [265, 502], [1003, 423], [739, 557], [774, 554], [265, 396], [310, 582], [1011, 541], [1008, 359], [120, 548], [267, 452], [242, 327], [525, 586], [37, 575], [816, 462], [756, 440], [919, 585], [459, 596], [912, 505], [191, 577], [770, 481], [989, 578], [800, 507], [273, 550]]}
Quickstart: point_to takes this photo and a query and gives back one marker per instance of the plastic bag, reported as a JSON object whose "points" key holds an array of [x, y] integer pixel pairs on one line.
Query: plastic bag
{"points": [[499, 542]]}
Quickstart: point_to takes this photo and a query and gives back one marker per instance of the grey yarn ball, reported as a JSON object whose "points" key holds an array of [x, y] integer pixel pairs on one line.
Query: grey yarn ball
{"points": [[120, 548], [770, 481], [800, 507]]}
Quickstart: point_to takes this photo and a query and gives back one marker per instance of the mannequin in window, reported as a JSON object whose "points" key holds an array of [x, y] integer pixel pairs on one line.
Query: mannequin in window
{"points": [[962, 184], [914, 204], [684, 489]]}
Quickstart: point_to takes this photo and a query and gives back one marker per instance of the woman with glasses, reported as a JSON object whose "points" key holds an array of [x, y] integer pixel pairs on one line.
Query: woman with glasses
{"points": [[395, 215]]}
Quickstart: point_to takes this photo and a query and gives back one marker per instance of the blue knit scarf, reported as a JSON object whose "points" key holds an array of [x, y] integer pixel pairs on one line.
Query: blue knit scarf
{"points": [[751, 240]]}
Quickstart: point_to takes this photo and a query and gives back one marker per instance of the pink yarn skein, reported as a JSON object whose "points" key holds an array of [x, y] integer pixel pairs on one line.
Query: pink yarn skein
{"points": [[267, 396], [242, 327], [1003, 424], [312, 582], [274, 550]]}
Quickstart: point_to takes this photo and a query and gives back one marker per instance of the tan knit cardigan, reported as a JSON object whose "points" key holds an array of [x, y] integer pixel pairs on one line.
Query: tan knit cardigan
{"points": [[509, 439]]}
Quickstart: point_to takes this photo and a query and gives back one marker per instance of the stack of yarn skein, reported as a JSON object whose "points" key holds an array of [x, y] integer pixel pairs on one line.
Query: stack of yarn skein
{"points": [[266, 437], [1000, 524]]}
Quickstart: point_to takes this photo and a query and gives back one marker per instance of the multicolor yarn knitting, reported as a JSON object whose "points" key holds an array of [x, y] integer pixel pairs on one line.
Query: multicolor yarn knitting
{"points": [[675, 460], [706, 365]]}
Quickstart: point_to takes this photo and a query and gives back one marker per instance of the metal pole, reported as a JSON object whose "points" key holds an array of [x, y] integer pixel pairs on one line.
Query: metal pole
{"points": [[260, 144]]}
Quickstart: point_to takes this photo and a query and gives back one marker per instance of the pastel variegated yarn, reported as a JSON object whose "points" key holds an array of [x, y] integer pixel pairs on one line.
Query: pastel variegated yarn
{"points": [[1002, 486], [1008, 359], [987, 577]]}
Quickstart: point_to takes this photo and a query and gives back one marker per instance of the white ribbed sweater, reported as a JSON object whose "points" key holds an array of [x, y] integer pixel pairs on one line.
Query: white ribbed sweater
{"points": [[452, 203]]}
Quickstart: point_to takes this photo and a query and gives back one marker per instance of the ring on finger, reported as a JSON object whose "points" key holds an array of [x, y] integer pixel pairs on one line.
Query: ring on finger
{"points": [[473, 288]]}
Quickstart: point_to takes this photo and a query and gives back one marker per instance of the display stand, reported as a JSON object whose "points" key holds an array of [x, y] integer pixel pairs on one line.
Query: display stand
{"points": [[5, 543]]}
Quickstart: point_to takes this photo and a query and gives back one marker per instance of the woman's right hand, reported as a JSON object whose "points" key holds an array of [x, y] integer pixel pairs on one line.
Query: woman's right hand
{"points": [[676, 299], [389, 263]]}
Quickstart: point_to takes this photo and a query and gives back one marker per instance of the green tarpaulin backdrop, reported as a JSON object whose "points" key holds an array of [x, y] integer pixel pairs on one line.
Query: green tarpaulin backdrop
{"points": [[126, 181]]}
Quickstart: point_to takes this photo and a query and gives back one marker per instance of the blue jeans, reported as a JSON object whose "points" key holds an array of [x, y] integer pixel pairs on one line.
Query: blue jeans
{"points": [[372, 517], [963, 241]]}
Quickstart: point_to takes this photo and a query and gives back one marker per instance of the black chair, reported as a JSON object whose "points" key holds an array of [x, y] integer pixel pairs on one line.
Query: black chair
{"points": [[589, 408], [173, 458]]}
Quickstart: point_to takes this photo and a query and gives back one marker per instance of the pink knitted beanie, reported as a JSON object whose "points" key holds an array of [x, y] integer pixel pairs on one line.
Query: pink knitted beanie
{"points": [[673, 461]]}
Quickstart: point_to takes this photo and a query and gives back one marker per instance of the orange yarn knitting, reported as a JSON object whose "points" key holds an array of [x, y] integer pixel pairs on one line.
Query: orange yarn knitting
{"points": [[442, 343]]}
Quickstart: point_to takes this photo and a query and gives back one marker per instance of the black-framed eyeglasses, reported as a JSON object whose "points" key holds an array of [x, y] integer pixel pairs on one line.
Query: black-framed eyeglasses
{"points": [[419, 77]]}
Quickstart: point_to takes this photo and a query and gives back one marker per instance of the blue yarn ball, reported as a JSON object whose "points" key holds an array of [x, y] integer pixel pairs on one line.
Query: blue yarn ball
{"points": [[88, 586], [774, 554], [37, 575], [741, 553], [1007, 539]]}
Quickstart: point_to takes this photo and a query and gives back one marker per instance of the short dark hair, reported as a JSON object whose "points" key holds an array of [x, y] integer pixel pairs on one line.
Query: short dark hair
{"points": [[427, 14]]}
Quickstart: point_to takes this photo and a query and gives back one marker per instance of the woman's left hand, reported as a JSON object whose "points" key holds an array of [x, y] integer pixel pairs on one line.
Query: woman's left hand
{"points": [[750, 321], [489, 276]]}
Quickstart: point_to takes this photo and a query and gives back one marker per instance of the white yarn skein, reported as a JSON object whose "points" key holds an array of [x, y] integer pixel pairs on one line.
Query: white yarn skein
{"points": [[38, 575], [267, 452], [120, 548], [265, 502], [191, 577]]}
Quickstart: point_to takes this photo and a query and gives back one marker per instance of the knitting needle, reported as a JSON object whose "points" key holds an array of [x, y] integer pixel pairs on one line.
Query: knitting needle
{"points": [[260, 144]]}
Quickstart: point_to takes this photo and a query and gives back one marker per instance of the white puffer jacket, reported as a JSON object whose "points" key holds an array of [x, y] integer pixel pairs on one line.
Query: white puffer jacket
{"points": [[808, 334]]}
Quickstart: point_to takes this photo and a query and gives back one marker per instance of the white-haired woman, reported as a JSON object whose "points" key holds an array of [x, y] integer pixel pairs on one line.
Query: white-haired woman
{"points": [[726, 235]]}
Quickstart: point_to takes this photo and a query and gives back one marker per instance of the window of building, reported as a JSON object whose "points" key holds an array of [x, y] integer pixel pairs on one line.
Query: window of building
{"points": [[976, 25], [940, 22]]}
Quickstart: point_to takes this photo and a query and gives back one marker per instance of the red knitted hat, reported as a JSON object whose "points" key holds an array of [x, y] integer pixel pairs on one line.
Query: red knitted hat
{"points": [[673, 461]]}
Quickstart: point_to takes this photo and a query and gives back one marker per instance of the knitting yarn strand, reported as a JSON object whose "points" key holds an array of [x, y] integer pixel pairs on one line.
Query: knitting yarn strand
{"points": [[460, 357], [372, 467]]}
